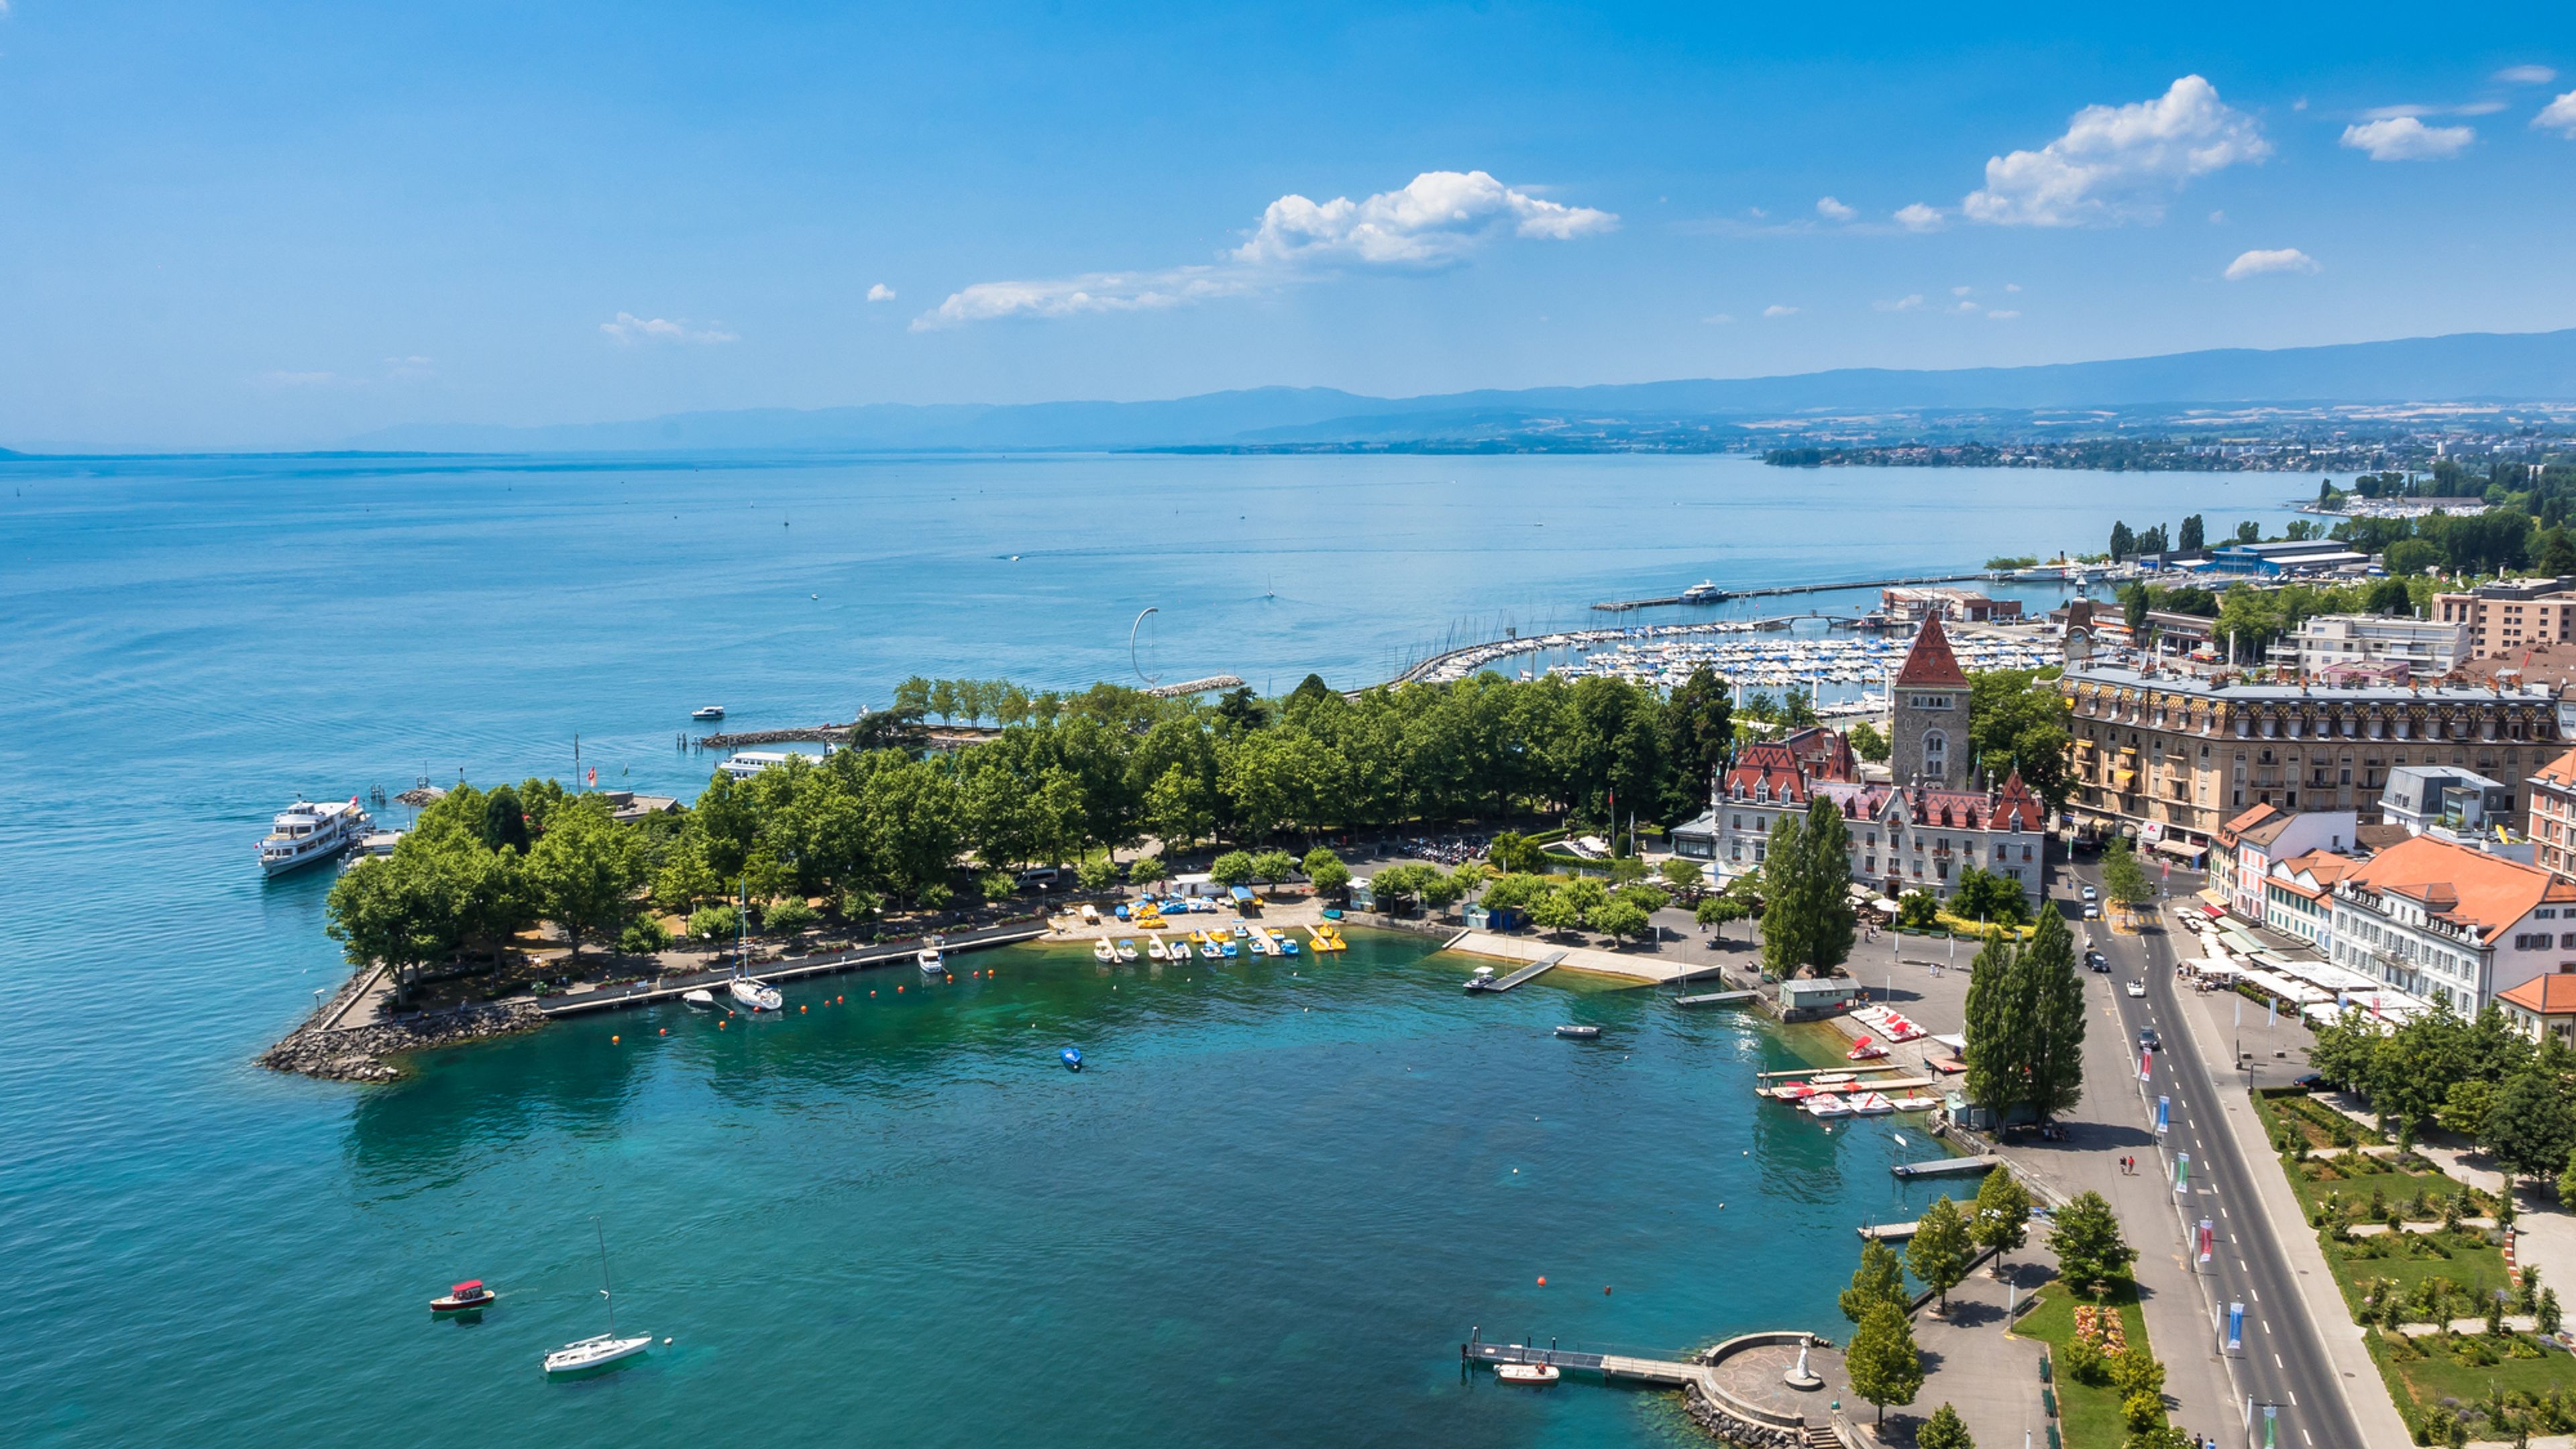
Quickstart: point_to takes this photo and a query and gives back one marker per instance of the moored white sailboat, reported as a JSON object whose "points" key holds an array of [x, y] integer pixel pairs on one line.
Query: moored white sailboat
{"points": [[604, 1349]]}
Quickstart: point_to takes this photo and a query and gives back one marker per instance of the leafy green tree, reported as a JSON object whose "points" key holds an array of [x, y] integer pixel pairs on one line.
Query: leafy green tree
{"points": [[1997, 1022], [398, 912], [1097, 872], [1619, 919], [2531, 1130], [1442, 889], [1918, 910], [1884, 1365], [1644, 897], [1325, 871], [1719, 909], [1555, 912], [2192, 535], [2002, 1219], [787, 917], [1683, 876], [644, 936], [1232, 869], [2466, 1106], [1699, 738], [586, 870], [1806, 878], [1513, 854], [2086, 1239], [1868, 743], [1150, 870], [1180, 807], [2410, 557], [1939, 1252], [2055, 1038], [2123, 542], [2123, 879], [714, 926], [1398, 886], [1270, 867], [504, 821], [1991, 896], [1943, 1431], [1880, 1278], [2019, 721]]}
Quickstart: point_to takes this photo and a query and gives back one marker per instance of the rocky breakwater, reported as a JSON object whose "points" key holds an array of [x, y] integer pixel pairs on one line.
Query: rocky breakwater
{"points": [[357, 1053], [1734, 1428]]}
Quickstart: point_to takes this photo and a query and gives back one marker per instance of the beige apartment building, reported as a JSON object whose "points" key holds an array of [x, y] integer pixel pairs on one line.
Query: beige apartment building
{"points": [[2172, 756], [2506, 617]]}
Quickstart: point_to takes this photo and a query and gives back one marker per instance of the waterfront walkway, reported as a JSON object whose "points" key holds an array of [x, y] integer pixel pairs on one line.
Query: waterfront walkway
{"points": [[670, 988], [1647, 966]]}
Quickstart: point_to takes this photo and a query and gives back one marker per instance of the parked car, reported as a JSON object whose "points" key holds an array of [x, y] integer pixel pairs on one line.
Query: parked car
{"points": [[2137, 988]]}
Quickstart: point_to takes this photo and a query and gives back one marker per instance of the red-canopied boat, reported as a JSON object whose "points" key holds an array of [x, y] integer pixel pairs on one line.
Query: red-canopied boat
{"points": [[469, 1294]]}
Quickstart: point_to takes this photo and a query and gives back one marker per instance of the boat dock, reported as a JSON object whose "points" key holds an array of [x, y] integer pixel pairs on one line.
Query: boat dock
{"points": [[1889, 1232], [1531, 972], [670, 988], [1608, 1365], [1715, 998], [1782, 590], [1948, 1167]]}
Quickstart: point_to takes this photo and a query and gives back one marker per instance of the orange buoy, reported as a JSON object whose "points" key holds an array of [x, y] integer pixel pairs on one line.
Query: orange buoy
{"points": [[898, 989], [1542, 1280], [614, 1040], [722, 1025], [800, 1011], [666, 1031], [1605, 1290]]}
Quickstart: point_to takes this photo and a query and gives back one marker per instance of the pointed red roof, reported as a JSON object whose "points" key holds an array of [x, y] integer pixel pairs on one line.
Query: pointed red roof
{"points": [[1930, 661]]}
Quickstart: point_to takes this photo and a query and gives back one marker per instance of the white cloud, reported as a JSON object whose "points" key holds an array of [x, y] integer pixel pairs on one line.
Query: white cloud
{"points": [[1832, 210], [2258, 263], [2012, 286], [1967, 307], [2526, 75], [1901, 304], [1961, 291], [2559, 115], [408, 369], [880, 293], [1919, 217], [2113, 160], [629, 328], [1719, 319], [1778, 310], [2404, 138], [2465, 108], [1436, 220], [2001, 315]]}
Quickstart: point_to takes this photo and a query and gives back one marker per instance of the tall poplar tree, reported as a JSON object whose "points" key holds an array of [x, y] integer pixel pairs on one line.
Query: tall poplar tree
{"points": [[2055, 994], [1785, 914], [1996, 1023]]}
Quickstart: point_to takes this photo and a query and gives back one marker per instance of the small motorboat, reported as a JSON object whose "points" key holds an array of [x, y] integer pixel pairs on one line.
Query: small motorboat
{"points": [[1483, 978], [755, 996], [470, 1294], [1103, 952], [1126, 950], [713, 711], [1579, 1033], [1230, 952], [1826, 1104], [700, 998], [1071, 1057], [1156, 949], [930, 959], [1527, 1373]]}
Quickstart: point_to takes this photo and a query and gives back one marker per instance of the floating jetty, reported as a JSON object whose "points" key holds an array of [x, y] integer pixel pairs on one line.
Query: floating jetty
{"points": [[1719, 596], [1889, 1232], [1949, 1167], [1531, 972], [1715, 998], [669, 988]]}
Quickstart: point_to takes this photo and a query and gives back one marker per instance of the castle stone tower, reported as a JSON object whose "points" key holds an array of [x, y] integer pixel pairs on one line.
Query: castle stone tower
{"points": [[1929, 738]]}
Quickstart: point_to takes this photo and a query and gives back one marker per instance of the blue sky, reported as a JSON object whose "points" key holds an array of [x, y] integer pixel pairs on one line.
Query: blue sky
{"points": [[286, 224]]}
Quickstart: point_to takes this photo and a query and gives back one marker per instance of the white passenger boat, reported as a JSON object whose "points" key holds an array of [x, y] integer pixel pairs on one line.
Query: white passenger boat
{"points": [[304, 832], [931, 960], [755, 996], [710, 712], [1527, 1373]]}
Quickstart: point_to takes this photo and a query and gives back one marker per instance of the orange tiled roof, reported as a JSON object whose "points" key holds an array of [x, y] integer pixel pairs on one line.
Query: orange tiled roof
{"points": [[2560, 771], [2551, 995], [2467, 886]]}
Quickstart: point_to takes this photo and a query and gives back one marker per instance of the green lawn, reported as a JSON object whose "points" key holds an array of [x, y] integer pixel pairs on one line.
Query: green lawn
{"points": [[2088, 1416], [2421, 1382]]}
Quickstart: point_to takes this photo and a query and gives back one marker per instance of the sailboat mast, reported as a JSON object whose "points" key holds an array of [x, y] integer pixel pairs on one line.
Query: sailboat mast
{"points": [[603, 1274]]}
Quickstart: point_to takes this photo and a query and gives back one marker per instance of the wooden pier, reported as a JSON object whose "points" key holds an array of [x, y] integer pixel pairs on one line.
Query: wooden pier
{"points": [[1531, 972], [1608, 1365], [670, 988], [1948, 1167], [1889, 1232]]}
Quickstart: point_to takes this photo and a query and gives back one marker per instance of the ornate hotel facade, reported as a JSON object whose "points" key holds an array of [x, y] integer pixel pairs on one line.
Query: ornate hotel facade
{"points": [[2173, 756]]}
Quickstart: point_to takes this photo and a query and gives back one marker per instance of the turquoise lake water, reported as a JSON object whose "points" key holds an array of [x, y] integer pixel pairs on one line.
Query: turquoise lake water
{"points": [[894, 1220]]}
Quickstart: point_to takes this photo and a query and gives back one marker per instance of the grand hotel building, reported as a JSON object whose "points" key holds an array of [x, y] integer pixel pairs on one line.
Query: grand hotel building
{"points": [[2172, 756]]}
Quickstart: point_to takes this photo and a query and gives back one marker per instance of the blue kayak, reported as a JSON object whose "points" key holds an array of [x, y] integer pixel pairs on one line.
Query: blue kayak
{"points": [[1072, 1058]]}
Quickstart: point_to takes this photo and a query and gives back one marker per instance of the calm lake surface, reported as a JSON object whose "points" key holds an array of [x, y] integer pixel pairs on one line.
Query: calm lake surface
{"points": [[1270, 1210]]}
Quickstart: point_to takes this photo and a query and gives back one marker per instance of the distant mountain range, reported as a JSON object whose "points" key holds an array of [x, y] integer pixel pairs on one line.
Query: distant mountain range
{"points": [[2467, 367]]}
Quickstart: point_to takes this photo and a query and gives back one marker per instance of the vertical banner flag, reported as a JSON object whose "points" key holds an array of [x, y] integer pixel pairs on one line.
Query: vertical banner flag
{"points": [[594, 775], [2208, 1239], [2271, 1425], [2164, 1115], [2271, 1011], [2182, 1172], [2236, 1337], [2147, 1064]]}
